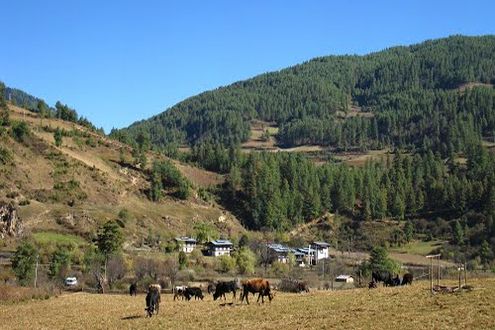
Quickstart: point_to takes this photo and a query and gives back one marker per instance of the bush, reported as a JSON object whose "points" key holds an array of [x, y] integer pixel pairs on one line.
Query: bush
{"points": [[225, 264], [245, 260], [20, 131], [23, 262], [5, 156]]}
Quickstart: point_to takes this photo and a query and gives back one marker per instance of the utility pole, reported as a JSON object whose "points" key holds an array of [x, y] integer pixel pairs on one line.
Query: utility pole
{"points": [[36, 271]]}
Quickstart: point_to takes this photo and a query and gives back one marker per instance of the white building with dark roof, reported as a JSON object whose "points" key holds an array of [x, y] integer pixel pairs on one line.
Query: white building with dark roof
{"points": [[219, 247], [186, 244], [320, 250]]}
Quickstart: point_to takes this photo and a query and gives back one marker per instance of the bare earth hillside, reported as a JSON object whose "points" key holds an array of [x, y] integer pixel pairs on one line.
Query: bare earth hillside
{"points": [[84, 182]]}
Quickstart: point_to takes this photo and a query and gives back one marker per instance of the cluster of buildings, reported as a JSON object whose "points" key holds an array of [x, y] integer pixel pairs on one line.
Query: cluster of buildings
{"points": [[309, 255]]}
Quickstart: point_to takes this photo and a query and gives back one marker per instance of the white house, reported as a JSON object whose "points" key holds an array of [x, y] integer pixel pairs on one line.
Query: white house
{"points": [[320, 251], [345, 278], [186, 244], [219, 247]]}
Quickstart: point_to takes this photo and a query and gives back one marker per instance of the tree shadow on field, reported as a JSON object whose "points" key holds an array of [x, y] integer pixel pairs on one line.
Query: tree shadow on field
{"points": [[132, 317]]}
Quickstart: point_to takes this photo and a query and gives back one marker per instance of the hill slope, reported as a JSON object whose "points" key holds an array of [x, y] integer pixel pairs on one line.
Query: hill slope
{"points": [[439, 89], [87, 180]]}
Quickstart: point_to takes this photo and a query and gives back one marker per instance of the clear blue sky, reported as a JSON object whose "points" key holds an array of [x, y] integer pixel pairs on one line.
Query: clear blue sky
{"points": [[116, 62]]}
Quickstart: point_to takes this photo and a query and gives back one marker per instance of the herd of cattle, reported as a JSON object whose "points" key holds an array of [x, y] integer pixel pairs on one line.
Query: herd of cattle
{"points": [[219, 289], [389, 280], [254, 286]]}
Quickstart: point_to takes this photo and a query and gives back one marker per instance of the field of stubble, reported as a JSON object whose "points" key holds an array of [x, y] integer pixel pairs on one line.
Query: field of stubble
{"points": [[383, 308]]}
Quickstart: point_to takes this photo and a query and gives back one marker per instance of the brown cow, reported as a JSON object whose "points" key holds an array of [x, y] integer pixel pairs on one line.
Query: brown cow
{"points": [[256, 285]]}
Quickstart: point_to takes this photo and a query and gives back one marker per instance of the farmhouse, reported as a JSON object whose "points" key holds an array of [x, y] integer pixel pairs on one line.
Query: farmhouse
{"points": [[345, 279], [320, 250], [219, 247], [186, 244]]}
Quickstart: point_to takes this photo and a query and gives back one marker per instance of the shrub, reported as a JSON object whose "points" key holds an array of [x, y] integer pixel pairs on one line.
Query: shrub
{"points": [[20, 131], [225, 264]]}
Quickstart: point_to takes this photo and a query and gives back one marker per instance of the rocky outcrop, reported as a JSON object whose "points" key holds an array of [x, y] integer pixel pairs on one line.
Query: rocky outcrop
{"points": [[10, 223]]}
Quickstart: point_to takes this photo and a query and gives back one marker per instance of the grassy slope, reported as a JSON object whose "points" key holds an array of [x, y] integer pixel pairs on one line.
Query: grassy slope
{"points": [[383, 308], [109, 186]]}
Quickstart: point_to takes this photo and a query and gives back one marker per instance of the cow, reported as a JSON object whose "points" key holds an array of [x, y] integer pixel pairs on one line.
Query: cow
{"points": [[153, 299], [179, 292], [225, 287], [211, 287], [133, 289], [392, 281], [385, 277], [372, 285], [407, 279], [195, 292], [301, 287], [257, 285]]}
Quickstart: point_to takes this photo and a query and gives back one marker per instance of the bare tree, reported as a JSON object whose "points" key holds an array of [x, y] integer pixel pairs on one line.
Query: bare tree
{"points": [[171, 269], [116, 269]]}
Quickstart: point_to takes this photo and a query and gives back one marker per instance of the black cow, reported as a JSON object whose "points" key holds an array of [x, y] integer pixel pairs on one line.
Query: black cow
{"points": [[133, 289], [385, 277], [392, 281], [407, 279], [152, 301], [195, 292], [225, 287]]}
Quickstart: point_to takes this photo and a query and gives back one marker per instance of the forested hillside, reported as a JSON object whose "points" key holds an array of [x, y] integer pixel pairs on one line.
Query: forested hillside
{"points": [[437, 95], [433, 103]]}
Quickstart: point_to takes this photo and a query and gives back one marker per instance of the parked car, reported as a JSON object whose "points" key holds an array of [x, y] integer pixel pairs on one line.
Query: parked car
{"points": [[70, 281]]}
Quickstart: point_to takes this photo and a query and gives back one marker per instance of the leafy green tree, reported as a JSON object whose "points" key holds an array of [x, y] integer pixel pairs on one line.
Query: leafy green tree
{"points": [[24, 262], [59, 261], [205, 232], [245, 260], [379, 261], [182, 258], [109, 241]]}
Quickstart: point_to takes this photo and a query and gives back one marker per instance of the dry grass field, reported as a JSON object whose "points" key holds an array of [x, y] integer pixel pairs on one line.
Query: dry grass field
{"points": [[383, 308]]}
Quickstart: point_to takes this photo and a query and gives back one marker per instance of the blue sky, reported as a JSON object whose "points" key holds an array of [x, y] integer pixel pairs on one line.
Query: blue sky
{"points": [[116, 62]]}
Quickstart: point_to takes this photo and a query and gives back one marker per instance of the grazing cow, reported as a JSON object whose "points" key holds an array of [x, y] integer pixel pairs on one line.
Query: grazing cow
{"points": [[407, 279], [384, 277], [179, 292], [372, 285], [133, 289], [153, 299], [195, 292], [225, 287], [257, 285]]}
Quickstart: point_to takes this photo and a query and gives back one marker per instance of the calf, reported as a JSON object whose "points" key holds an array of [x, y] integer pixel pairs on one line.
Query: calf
{"points": [[153, 299], [257, 285], [195, 292], [225, 287], [133, 289]]}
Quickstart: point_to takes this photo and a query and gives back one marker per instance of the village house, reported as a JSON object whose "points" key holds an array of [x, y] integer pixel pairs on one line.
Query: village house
{"points": [[345, 279], [219, 247], [320, 250], [186, 244]]}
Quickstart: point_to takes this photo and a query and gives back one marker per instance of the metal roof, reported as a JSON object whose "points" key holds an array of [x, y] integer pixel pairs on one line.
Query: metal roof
{"points": [[185, 239], [220, 242]]}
